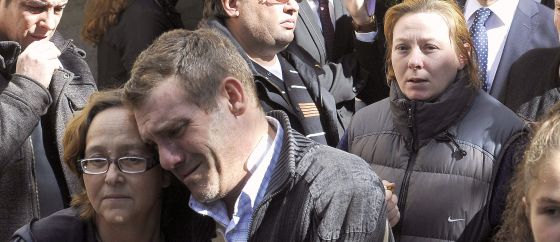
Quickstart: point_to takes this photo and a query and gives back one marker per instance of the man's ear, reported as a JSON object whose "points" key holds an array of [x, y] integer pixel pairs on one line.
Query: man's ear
{"points": [[231, 7], [235, 94]]}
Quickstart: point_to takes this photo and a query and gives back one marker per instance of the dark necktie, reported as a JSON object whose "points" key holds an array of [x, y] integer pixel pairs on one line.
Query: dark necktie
{"points": [[480, 39], [327, 26]]}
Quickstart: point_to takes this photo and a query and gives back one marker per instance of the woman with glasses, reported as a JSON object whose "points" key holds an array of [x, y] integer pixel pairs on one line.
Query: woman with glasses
{"points": [[124, 197]]}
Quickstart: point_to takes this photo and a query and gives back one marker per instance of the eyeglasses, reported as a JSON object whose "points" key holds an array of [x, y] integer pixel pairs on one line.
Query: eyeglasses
{"points": [[127, 164]]}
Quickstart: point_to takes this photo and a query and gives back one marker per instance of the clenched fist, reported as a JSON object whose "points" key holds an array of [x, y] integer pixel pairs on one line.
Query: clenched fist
{"points": [[38, 61]]}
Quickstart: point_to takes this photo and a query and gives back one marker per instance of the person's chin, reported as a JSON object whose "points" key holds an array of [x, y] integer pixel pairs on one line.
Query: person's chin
{"points": [[417, 95], [206, 194], [284, 42], [115, 216]]}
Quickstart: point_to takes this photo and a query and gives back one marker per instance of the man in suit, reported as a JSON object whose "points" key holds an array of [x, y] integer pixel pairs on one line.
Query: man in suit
{"points": [[513, 28], [349, 43]]}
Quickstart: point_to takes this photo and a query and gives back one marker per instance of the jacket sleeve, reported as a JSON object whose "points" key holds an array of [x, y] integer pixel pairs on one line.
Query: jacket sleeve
{"points": [[351, 205], [22, 102], [23, 234]]}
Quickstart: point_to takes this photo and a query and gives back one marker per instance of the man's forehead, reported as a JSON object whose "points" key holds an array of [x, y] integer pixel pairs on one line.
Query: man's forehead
{"points": [[46, 2]]}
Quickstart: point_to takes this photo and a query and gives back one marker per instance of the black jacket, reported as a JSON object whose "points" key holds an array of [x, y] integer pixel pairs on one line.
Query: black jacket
{"points": [[176, 222], [138, 25], [329, 86], [533, 83]]}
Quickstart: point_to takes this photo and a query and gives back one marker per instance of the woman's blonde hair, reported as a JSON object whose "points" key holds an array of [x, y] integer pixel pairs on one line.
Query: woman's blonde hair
{"points": [[540, 151], [458, 32], [99, 16]]}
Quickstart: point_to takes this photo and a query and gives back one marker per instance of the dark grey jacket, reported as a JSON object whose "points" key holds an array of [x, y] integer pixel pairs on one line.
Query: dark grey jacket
{"points": [[23, 102], [316, 193], [443, 157]]}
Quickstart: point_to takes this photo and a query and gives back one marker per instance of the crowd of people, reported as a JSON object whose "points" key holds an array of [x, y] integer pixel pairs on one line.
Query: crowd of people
{"points": [[282, 120]]}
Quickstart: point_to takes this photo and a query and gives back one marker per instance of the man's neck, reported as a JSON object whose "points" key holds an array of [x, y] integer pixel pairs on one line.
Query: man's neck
{"points": [[260, 128], [261, 53], [265, 62]]}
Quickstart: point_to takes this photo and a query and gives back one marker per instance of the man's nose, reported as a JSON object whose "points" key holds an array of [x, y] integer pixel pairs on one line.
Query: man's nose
{"points": [[48, 20], [169, 156]]}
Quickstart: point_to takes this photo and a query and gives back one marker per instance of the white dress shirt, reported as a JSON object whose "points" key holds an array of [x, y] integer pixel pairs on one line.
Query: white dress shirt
{"points": [[497, 26]]}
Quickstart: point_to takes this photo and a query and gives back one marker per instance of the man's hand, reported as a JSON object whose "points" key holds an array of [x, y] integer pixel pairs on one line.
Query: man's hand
{"points": [[358, 11], [393, 214], [38, 61]]}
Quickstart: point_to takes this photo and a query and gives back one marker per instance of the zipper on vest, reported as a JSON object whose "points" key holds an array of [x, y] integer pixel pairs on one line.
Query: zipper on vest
{"points": [[451, 138], [401, 204], [34, 186]]}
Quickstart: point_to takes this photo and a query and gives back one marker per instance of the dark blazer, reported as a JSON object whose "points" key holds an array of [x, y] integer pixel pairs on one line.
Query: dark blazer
{"points": [[532, 27], [348, 50]]}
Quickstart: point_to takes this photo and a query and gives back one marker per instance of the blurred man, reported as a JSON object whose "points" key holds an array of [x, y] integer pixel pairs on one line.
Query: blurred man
{"points": [[506, 29], [532, 84], [329, 33], [194, 97], [40, 89]]}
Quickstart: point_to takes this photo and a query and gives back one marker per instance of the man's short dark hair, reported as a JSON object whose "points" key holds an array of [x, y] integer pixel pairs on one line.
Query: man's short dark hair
{"points": [[199, 60]]}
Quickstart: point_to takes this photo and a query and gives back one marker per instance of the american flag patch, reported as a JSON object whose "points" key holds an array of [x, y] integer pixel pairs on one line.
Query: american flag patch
{"points": [[309, 110]]}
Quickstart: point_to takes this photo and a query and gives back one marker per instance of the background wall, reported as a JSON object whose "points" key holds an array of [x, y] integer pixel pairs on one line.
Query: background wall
{"points": [[72, 19]]}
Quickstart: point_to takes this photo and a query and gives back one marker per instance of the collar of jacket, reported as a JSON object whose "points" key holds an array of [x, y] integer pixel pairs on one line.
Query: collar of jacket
{"points": [[293, 52], [66, 45], [9, 52], [219, 25], [428, 119], [294, 147]]}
